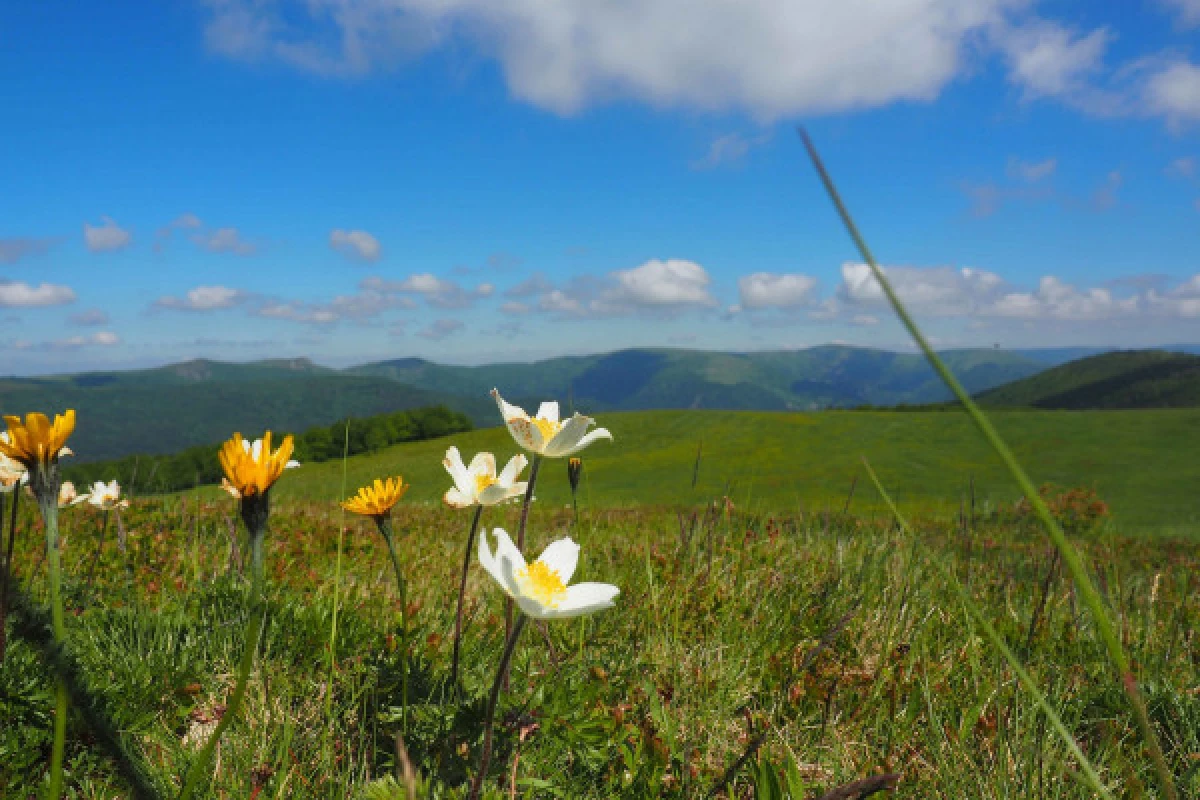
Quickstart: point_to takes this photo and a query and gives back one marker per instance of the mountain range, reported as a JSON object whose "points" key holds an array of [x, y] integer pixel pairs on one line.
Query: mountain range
{"points": [[168, 408]]}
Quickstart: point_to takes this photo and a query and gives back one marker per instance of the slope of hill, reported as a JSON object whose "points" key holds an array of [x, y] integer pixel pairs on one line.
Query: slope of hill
{"points": [[1124, 379], [788, 461], [167, 409], [819, 377]]}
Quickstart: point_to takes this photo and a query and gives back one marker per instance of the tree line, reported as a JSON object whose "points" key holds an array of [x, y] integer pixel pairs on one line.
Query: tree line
{"points": [[199, 465]]}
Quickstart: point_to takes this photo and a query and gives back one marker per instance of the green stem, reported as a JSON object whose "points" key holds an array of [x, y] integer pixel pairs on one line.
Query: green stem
{"points": [[1070, 555], [462, 590], [533, 476], [385, 529], [6, 575], [46, 485], [485, 756]]}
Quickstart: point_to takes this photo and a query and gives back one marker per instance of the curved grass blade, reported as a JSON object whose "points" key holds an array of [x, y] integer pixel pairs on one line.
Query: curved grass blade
{"points": [[990, 632], [1070, 555]]}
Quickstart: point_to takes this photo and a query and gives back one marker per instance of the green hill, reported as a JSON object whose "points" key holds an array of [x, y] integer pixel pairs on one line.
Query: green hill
{"points": [[797, 460], [170, 408], [1124, 379], [818, 377]]}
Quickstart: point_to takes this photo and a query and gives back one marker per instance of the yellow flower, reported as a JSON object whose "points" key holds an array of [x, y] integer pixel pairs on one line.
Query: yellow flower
{"points": [[377, 500], [37, 442], [252, 467]]}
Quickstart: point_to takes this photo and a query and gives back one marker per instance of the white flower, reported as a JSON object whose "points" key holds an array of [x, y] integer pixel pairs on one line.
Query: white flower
{"points": [[105, 496], [231, 489], [12, 473], [478, 484], [67, 495], [540, 588], [545, 434]]}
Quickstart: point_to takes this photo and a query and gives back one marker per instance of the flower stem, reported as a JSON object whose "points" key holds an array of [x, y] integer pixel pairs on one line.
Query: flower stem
{"points": [[47, 496], [533, 476], [6, 575], [385, 529], [501, 674], [462, 590]]}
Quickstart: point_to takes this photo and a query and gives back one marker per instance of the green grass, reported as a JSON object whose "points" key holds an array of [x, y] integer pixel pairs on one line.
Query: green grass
{"points": [[654, 698], [1140, 462]]}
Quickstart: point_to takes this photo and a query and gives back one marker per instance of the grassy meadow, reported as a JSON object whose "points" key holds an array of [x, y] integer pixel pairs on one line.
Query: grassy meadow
{"points": [[832, 636], [1139, 462]]}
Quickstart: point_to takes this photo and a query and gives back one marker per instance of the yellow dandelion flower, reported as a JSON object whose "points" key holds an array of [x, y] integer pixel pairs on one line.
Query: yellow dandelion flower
{"points": [[251, 467], [37, 442], [377, 500]]}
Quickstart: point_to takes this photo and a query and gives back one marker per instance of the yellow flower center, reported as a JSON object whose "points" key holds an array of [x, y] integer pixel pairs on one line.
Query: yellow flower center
{"points": [[543, 584], [547, 428], [482, 482]]}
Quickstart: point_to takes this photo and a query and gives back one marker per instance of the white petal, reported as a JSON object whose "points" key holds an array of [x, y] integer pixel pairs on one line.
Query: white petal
{"points": [[65, 451], [562, 556], [458, 473], [496, 493], [599, 433], [456, 499], [512, 469], [507, 410], [504, 565], [533, 608], [584, 598], [292, 464], [568, 436], [526, 434], [548, 411], [482, 464]]}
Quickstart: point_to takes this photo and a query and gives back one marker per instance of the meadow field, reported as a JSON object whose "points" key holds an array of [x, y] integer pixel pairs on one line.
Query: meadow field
{"points": [[765, 644], [1139, 462]]}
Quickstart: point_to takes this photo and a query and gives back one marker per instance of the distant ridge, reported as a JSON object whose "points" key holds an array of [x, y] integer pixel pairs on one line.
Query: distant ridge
{"points": [[1124, 379]]}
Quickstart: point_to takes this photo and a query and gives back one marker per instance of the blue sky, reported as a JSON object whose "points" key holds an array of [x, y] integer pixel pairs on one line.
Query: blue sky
{"points": [[473, 181]]}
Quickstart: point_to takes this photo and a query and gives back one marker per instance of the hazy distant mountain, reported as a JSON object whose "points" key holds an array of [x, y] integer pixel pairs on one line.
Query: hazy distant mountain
{"points": [[166, 409], [1123, 379], [819, 377]]}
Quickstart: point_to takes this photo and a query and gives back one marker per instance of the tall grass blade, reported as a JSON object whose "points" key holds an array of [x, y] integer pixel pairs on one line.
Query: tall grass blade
{"points": [[974, 612], [1070, 555]]}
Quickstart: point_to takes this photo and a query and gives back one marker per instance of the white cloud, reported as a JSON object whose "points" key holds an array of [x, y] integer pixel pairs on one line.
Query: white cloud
{"points": [[1174, 92], [203, 298], [1049, 60], [515, 308], [106, 237], [1058, 300], [91, 316], [1187, 12], [105, 338], [358, 245], [437, 292], [13, 250], [1182, 167], [775, 290], [441, 328], [674, 282], [294, 311], [937, 291], [17, 294], [186, 220], [770, 57], [729, 149], [225, 240], [1031, 171]]}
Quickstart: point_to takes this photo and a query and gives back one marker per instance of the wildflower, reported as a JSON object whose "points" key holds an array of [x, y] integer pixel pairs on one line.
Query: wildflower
{"points": [[12, 474], [478, 483], [252, 467], [574, 471], [37, 444], [377, 500], [541, 588], [68, 496], [104, 496], [545, 434], [230, 489]]}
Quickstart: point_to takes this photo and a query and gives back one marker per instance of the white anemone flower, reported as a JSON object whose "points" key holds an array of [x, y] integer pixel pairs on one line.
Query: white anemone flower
{"points": [[477, 484], [12, 474], [545, 434], [67, 496], [540, 588], [104, 496]]}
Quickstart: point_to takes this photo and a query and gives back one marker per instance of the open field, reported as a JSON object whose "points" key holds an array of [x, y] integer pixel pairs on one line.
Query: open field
{"points": [[1140, 462], [654, 698]]}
